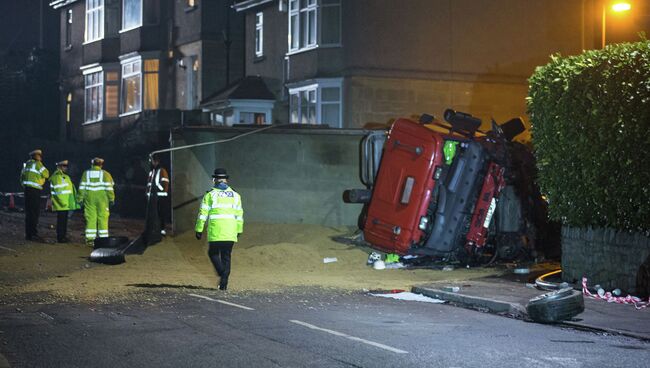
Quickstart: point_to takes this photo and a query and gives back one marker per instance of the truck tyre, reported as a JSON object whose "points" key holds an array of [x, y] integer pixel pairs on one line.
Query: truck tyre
{"points": [[556, 306]]}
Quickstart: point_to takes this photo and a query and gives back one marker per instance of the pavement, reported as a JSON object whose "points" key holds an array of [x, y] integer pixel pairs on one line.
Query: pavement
{"points": [[509, 296]]}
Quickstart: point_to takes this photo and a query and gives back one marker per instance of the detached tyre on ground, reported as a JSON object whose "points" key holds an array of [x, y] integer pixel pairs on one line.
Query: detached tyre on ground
{"points": [[556, 306]]}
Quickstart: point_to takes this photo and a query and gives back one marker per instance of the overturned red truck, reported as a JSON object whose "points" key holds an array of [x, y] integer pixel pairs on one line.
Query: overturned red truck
{"points": [[433, 189]]}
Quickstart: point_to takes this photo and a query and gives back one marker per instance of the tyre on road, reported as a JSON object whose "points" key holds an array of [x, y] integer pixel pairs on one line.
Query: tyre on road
{"points": [[556, 306]]}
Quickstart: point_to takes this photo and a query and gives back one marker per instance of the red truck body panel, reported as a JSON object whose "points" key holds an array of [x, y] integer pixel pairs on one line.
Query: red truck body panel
{"points": [[485, 205], [403, 186]]}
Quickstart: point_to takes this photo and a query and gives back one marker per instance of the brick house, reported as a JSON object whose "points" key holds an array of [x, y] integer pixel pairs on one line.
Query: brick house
{"points": [[126, 62], [350, 63]]}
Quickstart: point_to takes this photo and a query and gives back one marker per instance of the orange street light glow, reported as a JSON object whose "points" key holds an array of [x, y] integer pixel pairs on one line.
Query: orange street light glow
{"points": [[621, 7]]}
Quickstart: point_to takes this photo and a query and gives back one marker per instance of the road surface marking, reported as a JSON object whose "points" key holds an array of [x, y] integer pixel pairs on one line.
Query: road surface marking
{"points": [[221, 301], [341, 334]]}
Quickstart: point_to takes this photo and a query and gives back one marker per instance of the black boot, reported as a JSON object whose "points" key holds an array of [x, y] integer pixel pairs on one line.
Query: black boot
{"points": [[223, 284]]}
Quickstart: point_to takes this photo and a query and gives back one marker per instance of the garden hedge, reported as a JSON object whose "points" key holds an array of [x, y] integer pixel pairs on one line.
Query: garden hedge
{"points": [[590, 117]]}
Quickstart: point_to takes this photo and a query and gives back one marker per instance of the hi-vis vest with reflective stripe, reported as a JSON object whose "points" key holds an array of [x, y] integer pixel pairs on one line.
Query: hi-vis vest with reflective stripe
{"points": [[34, 174], [158, 182], [96, 184], [222, 210], [63, 192]]}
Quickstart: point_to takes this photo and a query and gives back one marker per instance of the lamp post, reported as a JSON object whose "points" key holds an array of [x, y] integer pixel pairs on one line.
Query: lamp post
{"points": [[618, 7]]}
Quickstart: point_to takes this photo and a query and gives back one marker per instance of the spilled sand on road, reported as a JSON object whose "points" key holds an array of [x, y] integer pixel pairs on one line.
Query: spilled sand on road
{"points": [[268, 258]]}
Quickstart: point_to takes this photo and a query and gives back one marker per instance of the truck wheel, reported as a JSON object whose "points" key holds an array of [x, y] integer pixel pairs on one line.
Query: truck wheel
{"points": [[556, 306]]}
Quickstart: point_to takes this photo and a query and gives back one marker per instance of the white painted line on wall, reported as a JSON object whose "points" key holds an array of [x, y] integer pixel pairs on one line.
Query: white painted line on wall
{"points": [[353, 338], [221, 301]]}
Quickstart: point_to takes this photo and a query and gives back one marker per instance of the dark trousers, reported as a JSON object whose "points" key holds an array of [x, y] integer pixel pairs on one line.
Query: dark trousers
{"points": [[61, 225], [32, 211], [219, 253], [163, 209]]}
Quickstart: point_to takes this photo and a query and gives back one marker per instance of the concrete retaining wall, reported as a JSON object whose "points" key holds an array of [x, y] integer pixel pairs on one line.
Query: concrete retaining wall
{"points": [[607, 257], [283, 175]]}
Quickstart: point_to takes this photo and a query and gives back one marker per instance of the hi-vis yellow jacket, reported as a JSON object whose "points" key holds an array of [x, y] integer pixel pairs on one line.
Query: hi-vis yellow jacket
{"points": [[222, 210], [34, 174], [63, 192]]}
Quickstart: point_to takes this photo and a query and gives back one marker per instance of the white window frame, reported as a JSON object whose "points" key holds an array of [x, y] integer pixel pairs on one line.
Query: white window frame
{"points": [[295, 10], [126, 28], [94, 21], [239, 106], [317, 86], [68, 28], [259, 34], [99, 86], [124, 75]]}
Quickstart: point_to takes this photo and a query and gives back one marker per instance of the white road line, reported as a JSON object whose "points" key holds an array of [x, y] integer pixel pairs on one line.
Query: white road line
{"points": [[5, 248], [221, 301], [341, 334]]}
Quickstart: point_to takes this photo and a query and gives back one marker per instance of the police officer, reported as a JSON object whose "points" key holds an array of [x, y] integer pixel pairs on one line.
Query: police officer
{"points": [[158, 191], [64, 199], [96, 195], [32, 179], [222, 209]]}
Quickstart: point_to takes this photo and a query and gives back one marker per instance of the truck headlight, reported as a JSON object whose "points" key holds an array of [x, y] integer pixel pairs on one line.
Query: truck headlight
{"points": [[424, 221]]}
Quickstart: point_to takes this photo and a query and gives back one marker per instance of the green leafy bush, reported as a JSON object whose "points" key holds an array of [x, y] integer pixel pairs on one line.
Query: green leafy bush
{"points": [[590, 118]]}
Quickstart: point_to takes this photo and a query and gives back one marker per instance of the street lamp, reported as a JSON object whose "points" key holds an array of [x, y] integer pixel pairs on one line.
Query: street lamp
{"points": [[618, 7]]}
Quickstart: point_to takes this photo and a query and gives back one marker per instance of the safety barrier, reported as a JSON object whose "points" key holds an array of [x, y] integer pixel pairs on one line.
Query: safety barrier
{"points": [[610, 298]]}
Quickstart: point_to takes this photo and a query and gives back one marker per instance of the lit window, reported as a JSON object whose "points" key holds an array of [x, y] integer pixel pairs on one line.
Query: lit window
{"points": [[259, 34], [131, 87], [94, 20], [191, 3], [151, 84], [316, 104], [94, 96], [68, 106], [112, 98], [131, 14]]}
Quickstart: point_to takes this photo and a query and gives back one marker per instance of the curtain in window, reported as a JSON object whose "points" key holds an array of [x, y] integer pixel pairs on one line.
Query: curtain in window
{"points": [[151, 84], [132, 14]]}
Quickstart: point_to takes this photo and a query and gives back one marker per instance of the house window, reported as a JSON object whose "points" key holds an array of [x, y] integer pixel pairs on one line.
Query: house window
{"points": [[191, 3], [112, 94], [68, 28], [94, 96], [316, 103], [68, 106], [151, 84], [94, 20], [330, 22], [131, 14], [302, 24], [131, 86], [259, 34]]}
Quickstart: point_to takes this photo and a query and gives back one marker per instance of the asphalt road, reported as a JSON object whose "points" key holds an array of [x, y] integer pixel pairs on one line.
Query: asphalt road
{"points": [[302, 328]]}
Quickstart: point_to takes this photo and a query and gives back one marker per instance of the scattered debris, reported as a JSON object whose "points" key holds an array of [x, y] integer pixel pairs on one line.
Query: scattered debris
{"points": [[329, 259], [410, 297], [395, 265], [379, 265], [373, 257], [451, 289], [556, 306], [448, 268], [608, 297], [521, 271]]}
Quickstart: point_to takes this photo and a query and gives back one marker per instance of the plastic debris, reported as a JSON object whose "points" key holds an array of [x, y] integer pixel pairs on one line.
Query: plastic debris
{"points": [[330, 260], [616, 292], [608, 297], [410, 297], [395, 265], [451, 289], [379, 265], [373, 257], [448, 268], [521, 271]]}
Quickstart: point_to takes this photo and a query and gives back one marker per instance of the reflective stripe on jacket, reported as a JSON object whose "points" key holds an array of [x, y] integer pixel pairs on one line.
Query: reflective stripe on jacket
{"points": [[63, 192], [96, 183], [158, 182], [34, 174], [222, 210]]}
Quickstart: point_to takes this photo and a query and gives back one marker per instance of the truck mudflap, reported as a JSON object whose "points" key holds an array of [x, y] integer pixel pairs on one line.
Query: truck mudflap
{"points": [[485, 206], [403, 187], [456, 201]]}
